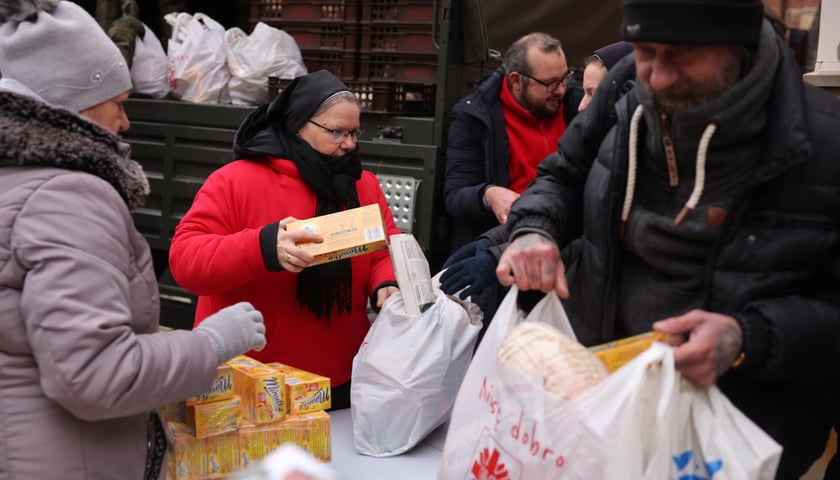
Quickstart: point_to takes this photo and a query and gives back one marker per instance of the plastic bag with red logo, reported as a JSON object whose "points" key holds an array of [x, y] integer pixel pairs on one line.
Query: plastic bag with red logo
{"points": [[641, 422]]}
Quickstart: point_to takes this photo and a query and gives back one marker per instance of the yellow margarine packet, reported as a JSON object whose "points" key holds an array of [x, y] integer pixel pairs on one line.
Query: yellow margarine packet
{"points": [[618, 352]]}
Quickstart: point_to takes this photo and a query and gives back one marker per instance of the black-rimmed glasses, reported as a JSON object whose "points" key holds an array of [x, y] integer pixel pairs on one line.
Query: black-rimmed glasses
{"points": [[338, 136], [554, 85]]}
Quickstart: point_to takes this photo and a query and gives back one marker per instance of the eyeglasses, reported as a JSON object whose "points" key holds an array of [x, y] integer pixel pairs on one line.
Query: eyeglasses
{"points": [[338, 136], [552, 86]]}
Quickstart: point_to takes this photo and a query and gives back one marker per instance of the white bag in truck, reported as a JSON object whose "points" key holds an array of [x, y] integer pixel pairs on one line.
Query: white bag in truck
{"points": [[197, 59], [266, 52]]}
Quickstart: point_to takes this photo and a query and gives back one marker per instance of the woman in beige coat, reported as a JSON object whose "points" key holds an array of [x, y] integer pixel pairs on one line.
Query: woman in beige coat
{"points": [[83, 367]]}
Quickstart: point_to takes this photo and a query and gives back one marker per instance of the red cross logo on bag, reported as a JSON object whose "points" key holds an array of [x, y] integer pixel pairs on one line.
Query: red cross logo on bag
{"points": [[488, 466]]}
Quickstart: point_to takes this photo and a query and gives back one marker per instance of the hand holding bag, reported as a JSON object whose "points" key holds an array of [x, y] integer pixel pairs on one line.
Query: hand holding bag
{"points": [[641, 422], [407, 373]]}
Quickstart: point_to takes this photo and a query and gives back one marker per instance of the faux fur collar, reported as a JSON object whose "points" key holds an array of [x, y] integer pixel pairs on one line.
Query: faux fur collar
{"points": [[33, 133]]}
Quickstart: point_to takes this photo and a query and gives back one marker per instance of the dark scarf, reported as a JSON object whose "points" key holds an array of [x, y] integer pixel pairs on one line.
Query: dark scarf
{"points": [[322, 287], [328, 286]]}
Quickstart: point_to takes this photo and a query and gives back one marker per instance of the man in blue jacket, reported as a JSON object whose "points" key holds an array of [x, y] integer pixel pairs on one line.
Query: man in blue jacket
{"points": [[501, 131], [707, 208]]}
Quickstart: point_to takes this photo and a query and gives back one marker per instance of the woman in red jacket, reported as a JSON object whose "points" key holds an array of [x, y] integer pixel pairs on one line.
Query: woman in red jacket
{"points": [[297, 158]]}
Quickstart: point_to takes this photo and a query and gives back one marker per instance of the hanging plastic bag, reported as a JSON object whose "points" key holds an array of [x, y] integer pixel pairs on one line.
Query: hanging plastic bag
{"points": [[267, 52], [197, 59], [642, 421], [407, 372], [150, 67]]}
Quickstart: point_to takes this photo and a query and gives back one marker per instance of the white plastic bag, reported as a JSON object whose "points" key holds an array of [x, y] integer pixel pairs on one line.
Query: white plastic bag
{"points": [[197, 59], [642, 422], [708, 437], [150, 66], [267, 52], [407, 373]]}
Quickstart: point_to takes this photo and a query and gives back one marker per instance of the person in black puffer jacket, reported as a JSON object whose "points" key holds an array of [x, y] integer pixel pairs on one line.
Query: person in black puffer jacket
{"points": [[708, 210]]}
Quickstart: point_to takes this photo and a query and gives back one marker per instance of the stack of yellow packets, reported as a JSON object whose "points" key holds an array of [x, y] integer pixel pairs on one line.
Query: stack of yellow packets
{"points": [[251, 409]]}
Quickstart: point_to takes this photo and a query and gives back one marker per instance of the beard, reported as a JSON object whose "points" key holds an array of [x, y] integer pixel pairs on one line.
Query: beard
{"points": [[544, 110], [687, 93]]}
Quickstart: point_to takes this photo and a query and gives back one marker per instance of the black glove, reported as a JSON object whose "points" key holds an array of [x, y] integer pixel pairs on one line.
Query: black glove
{"points": [[478, 272], [469, 250]]}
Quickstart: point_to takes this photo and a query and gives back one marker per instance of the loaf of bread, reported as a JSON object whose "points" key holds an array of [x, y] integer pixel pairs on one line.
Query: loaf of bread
{"points": [[568, 369]]}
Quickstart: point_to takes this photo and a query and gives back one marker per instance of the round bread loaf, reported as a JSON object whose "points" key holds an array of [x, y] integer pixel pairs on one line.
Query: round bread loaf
{"points": [[569, 370]]}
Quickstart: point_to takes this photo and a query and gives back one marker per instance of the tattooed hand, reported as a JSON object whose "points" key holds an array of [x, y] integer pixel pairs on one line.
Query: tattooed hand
{"points": [[713, 342], [533, 262]]}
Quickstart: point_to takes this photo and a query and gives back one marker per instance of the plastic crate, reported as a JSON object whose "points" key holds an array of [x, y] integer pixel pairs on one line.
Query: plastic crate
{"points": [[267, 11], [342, 63], [275, 85], [403, 11], [321, 10], [380, 97], [323, 36], [399, 67], [394, 97], [397, 38]]}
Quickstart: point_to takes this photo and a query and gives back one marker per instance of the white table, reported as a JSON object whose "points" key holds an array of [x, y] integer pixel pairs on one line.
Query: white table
{"points": [[420, 463]]}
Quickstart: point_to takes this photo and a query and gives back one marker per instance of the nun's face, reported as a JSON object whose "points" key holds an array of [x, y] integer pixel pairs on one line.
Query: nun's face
{"points": [[335, 131]]}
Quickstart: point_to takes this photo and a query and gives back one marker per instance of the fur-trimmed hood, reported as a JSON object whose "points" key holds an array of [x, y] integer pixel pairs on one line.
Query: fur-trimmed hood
{"points": [[33, 133]]}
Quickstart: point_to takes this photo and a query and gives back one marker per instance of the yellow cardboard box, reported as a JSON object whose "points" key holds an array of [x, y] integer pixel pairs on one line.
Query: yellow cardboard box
{"points": [[305, 391], [346, 234], [618, 352], [221, 388], [219, 455], [257, 441], [212, 418], [315, 435], [262, 389], [184, 452]]}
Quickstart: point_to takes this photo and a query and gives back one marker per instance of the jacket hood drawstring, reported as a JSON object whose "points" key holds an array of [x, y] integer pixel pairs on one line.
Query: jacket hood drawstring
{"points": [[699, 174]]}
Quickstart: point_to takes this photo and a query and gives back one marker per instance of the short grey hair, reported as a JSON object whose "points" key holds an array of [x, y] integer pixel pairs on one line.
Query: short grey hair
{"points": [[516, 57], [335, 99]]}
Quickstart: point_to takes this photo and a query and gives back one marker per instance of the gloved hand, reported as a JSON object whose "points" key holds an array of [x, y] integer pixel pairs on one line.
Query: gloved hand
{"points": [[234, 330], [478, 272], [467, 251]]}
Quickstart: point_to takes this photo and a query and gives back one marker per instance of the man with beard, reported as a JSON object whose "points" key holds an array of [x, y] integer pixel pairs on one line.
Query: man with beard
{"points": [[707, 205], [501, 131]]}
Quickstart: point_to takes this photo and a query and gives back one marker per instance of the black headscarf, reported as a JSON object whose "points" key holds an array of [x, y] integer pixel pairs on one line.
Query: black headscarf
{"points": [[323, 287]]}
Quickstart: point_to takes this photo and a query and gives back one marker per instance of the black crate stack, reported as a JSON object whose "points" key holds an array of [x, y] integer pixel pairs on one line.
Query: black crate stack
{"points": [[384, 50]]}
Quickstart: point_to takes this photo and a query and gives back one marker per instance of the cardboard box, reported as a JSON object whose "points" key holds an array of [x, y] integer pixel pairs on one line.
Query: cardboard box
{"points": [[221, 388], [346, 234], [212, 418], [305, 391], [261, 388], [619, 352]]}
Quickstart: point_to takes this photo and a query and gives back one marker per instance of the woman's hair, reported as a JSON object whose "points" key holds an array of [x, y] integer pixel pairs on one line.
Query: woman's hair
{"points": [[335, 99], [516, 58]]}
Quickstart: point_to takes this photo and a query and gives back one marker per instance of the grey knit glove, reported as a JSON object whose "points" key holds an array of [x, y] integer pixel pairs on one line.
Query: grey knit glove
{"points": [[234, 330]]}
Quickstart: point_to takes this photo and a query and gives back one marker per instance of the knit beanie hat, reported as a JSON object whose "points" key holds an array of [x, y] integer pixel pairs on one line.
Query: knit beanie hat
{"points": [[612, 53], [57, 50], [692, 22]]}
